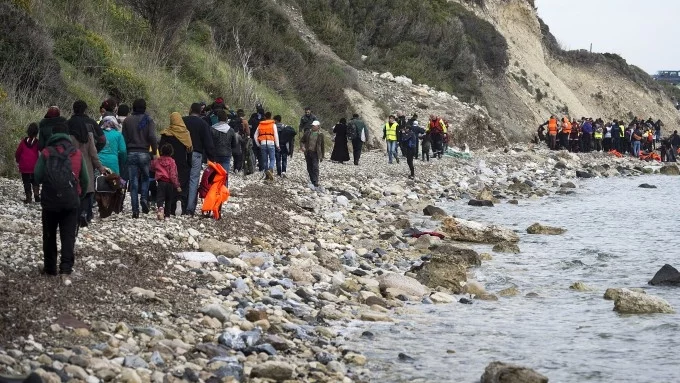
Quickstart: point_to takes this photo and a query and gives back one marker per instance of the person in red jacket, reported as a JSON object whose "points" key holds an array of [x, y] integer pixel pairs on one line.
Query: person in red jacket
{"points": [[165, 170], [26, 157]]}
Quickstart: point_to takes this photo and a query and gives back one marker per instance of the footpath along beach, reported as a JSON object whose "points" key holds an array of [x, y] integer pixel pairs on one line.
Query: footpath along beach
{"points": [[291, 268]]}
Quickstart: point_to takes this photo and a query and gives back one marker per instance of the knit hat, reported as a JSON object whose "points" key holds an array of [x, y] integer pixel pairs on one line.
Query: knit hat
{"points": [[52, 111], [219, 101]]}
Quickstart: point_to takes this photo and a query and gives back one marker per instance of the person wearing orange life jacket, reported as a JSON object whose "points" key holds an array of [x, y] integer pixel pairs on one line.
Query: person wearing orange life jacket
{"points": [[437, 129], [552, 132], [267, 139], [566, 132]]}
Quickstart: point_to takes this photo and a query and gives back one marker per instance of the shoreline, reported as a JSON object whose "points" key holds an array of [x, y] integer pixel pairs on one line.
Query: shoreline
{"points": [[290, 262]]}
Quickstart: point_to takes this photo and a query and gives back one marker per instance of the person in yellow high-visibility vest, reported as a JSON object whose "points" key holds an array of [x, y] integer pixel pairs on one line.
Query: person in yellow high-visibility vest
{"points": [[391, 135]]}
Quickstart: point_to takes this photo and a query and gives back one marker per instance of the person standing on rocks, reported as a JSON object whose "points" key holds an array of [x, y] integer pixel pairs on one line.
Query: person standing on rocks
{"points": [[587, 135], [391, 136], [636, 137], [552, 132], [417, 129], [254, 123], [81, 128], [202, 145], [358, 133], [114, 153], [52, 118], [165, 171], [313, 146], [437, 129], [617, 136], [566, 133], [139, 131], [340, 151], [224, 138], [178, 137], [427, 141], [26, 157], [286, 144], [61, 171], [401, 120], [306, 120], [408, 141], [267, 139]]}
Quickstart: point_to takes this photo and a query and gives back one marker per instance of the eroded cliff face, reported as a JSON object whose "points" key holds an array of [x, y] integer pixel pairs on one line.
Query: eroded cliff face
{"points": [[538, 82]]}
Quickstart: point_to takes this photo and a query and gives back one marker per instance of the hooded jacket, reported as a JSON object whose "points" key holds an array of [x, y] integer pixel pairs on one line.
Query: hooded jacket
{"points": [[27, 155], [45, 129], [224, 139], [77, 162]]}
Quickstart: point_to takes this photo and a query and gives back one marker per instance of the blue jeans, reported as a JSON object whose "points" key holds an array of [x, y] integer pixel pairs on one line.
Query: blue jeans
{"points": [[226, 164], [392, 148], [636, 148], [268, 153], [138, 165], [281, 162], [194, 178]]}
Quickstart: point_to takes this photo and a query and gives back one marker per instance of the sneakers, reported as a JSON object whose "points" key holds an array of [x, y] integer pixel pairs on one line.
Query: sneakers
{"points": [[135, 214], [397, 159], [269, 175], [160, 214], [145, 207]]}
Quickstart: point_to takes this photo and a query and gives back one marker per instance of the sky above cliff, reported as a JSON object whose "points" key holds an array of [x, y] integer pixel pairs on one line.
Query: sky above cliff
{"points": [[649, 43]]}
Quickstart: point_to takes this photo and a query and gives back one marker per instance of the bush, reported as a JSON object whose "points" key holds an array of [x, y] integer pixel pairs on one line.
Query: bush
{"points": [[27, 65], [82, 48], [123, 85]]}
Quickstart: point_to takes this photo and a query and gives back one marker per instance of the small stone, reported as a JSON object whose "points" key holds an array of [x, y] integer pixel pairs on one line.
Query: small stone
{"points": [[375, 317], [439, 297], [81, 332], [353, 358], [216, 311], [134, 361], [130, 376]]}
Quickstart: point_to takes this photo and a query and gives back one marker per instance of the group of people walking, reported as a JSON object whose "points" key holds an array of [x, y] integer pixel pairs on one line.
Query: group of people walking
{"points": [[586, 135]]}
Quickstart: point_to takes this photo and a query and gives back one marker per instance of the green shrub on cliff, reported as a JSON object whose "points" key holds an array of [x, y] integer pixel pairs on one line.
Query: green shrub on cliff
{"points": [[82, 48], [123, 84]]}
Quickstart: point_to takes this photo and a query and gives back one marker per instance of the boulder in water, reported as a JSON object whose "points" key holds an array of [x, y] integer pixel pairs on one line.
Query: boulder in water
{"points": [[580, 286], [584, 174], [667, 276], [402, 283], [480, 203], [485, 195], [647, 186], [537, 228], [630, 302], [506, 247], [499, 372], [434, 212], [469, 231], [447, 268], [612, 293], [670, 170]]}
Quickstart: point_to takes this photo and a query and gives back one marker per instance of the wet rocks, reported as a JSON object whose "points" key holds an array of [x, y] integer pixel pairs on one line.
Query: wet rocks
{"points": [[584, 174], [630, 302], [580, 286], [402, 283], [506, 247], [670, 170], [274, 370], [666, 276], [537, 228], [443, 270], [434, 212], [613, 293], [499, 372], [509, 292], [470, 231], [647, 186], [480, 203], [439, 297]]}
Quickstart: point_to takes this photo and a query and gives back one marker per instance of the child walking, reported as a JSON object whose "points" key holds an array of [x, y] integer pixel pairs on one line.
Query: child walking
{"points": [[165, 169], [26, 157]]}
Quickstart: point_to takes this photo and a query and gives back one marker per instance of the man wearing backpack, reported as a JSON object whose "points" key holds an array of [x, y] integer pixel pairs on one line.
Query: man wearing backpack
{"points": [[358, 134], [61, 172], [286, 145]]}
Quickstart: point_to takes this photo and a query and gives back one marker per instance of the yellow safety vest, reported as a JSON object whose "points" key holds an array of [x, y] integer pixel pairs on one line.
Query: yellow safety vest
{"points": [[597, 135], [623, 130], [391, 131]]}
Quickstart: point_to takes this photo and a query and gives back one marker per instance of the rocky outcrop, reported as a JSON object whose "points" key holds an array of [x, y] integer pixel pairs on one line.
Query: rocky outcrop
{"points": [[434, 212], [630, 302], [506, 247], [402, 283], [666, 276], [470, 231], [670, 170], [447, 268], [537, 228], [613, 293], [480, 203], [499, 372]]}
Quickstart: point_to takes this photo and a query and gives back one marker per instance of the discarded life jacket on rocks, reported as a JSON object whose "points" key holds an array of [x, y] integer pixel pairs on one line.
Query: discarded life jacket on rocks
{"points": [[218, 193], [616, 153]]}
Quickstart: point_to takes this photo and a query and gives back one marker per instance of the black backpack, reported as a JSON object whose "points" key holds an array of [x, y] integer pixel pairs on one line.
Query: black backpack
{"points": [[352, 132], [60, 186]]}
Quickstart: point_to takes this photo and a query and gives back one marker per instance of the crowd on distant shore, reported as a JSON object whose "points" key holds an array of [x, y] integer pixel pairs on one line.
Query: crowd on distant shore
{"points": [[639, 138]]}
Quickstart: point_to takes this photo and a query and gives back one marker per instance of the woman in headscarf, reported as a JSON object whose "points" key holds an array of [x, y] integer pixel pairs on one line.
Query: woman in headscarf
{"points": [[177, 135], [114, 154], [340, 151]]}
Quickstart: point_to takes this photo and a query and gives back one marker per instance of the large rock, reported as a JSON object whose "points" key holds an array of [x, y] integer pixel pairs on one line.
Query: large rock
{"points": [[499, 372], [469, 231], [403, 283], [278, 371], [613, 293], [216, 247], [630, 302], [480, 203], [443, 270], [468, 256], [537, 228], [506, 247], [670, 170], [667, 276], [434, 211], [329, 260]]}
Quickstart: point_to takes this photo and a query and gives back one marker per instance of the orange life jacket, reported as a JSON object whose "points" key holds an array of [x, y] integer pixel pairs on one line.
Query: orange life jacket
{"points": [[552, 126], [566, 127], [218, 193], [266, 131]]}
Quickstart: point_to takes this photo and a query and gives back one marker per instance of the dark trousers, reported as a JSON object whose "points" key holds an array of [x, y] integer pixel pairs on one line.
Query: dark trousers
{"points": [[357, 146], [281, 162], [607, 144], [238, 162], [426, 151], [67, 223], [86, 205], [437, 145], [616, 144], [30, 187], [552, 141], [312, 159], [585, 140], [598, 145], [165, 196], [258, 157], [410, 154]]}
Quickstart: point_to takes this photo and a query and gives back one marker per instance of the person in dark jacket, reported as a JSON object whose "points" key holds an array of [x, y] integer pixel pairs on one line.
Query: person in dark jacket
{"points": [[359, 136], [139, 131], [254, 123], [408, 141], [178, 137], [313, 146], [52, 118], [224, 138], [401, 120], [306, 120], [203, 146], [242, 154], [340, 152], [58, 213], [286, 145]]}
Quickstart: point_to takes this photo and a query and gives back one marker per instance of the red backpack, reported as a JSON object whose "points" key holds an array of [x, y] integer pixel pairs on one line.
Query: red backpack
{"points": [[206, 181]]}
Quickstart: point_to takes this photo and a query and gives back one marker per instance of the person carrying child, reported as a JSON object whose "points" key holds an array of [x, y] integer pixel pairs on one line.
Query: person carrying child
{"points": [[26, 157], [166, 176]]}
